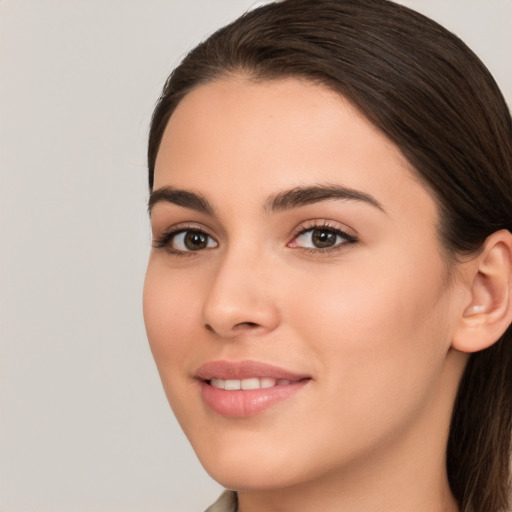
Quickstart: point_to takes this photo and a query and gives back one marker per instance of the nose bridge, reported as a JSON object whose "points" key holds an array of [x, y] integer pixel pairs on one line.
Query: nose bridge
{"points": [[240, 298]]}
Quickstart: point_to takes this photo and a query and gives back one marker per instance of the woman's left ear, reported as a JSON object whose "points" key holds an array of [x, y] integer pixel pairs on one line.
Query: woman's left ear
{"points": [[489, 312]]}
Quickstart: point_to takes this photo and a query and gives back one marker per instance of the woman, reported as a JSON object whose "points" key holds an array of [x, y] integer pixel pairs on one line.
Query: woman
{"points": [[328, 297]]}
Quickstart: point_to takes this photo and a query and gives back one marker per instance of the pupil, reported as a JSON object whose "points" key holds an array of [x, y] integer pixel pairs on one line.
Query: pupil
{"points": [[195, 241], [323, 238]]}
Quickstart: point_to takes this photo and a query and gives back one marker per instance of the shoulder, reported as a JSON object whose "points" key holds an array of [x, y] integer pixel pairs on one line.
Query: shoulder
{"points": [[227, 502]]}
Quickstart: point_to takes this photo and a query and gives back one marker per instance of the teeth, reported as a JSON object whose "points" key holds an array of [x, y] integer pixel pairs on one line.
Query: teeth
{"points": [[252, 383], [232, 384], [218, 383], [266, 382]]}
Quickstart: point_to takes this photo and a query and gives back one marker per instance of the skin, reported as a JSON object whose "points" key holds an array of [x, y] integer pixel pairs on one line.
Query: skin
{"points": [[370, 322]]}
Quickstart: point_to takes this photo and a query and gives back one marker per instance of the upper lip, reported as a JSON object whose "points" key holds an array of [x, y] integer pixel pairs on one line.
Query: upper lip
{"points": [[244, 370]]}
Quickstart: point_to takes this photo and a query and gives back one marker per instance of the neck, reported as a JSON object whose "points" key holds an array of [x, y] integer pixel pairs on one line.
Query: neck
{"points": [[380, 489], [384, 486]]}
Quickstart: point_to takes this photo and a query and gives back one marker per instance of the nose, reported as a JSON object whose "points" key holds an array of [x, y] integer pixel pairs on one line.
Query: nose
{"points": [[241, 300]]}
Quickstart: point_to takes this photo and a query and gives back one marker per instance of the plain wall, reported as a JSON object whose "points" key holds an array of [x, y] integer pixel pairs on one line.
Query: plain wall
{"points": [[84, 424]]}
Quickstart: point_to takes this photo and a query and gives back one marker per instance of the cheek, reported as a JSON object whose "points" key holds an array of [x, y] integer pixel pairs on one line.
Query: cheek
{"points": [[380, 333], [171, 307], [170, 311]]}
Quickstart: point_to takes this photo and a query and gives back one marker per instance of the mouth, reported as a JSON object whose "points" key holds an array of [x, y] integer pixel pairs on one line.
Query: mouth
{"points": [[247, 384], [246, 388]]}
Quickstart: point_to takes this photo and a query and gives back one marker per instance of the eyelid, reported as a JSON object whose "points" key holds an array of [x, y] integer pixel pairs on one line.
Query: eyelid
{"points": [[163, 240], [327, 225]]}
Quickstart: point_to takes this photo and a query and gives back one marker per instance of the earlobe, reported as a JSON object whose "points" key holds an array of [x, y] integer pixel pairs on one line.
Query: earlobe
{"points": [[489, 313]]}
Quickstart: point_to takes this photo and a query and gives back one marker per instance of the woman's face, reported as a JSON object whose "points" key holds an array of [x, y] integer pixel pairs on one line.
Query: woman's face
{"points": [[295, 256]]}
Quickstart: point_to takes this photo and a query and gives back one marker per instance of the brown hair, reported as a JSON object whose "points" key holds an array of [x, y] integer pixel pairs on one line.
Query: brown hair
{"points": [[434, 98]]}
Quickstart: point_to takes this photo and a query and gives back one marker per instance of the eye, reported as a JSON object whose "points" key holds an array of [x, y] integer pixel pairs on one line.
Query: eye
{"points": [[185, 240], [192, 241], [321, 238]]}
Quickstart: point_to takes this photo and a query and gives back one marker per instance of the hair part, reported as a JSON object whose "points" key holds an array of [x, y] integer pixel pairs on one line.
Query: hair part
{"points": [[430, 94]]}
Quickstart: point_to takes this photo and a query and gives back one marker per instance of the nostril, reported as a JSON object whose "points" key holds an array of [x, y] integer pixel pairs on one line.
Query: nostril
{"points": [[245, 325], [234, 330], [239, 326]]}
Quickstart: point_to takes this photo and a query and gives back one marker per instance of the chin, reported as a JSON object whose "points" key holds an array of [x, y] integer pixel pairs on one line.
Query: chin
{"points": [[251, 476], [256, 463]]}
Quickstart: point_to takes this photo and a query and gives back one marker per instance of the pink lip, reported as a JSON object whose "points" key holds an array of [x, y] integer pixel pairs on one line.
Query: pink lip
{"points": [[244, 370], [244, 403]]}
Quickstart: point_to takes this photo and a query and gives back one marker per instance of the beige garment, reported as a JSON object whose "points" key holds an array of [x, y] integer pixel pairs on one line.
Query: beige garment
{"points": [[226, 503]]}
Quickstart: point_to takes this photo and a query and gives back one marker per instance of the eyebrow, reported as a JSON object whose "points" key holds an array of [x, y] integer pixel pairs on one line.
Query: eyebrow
{"points": [[302, 196], [285, 200], [180, 197]]}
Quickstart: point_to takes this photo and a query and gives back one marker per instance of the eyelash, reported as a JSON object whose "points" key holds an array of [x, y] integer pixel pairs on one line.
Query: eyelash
{"points": [[164, 241], [324, 226]]}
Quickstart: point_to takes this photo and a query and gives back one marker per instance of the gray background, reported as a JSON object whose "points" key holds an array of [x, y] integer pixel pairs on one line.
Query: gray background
{"points": [[84, 425]]}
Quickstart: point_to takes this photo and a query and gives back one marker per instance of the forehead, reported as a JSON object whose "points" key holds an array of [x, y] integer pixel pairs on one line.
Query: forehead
{"points": [[239, 138]]}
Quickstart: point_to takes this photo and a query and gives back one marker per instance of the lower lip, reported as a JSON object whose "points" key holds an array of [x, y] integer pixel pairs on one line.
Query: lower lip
{"points": [[244, 403]]}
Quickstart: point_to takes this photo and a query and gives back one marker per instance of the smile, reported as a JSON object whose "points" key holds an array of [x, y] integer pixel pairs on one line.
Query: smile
{"points": [[246, 388], [245, 384]]}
